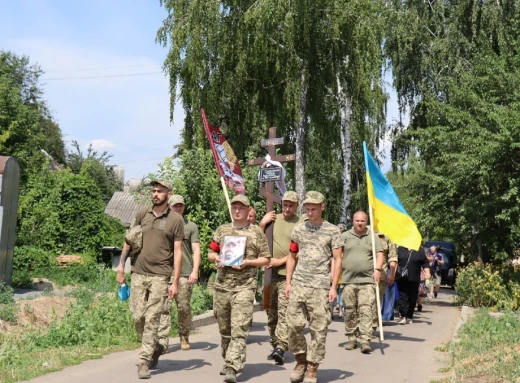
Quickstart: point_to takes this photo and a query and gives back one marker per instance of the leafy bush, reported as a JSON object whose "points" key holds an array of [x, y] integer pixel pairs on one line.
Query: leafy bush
{"points": [[496, 287], [6, 294], [30, 262], [8, 308], [22, 279], [63, 212], [33, 259]]}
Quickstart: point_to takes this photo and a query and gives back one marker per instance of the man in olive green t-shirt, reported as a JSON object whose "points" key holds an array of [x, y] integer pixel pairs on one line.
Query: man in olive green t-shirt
{"points": [[155, 272], [359, 277], [189, 277], [283, 226]]}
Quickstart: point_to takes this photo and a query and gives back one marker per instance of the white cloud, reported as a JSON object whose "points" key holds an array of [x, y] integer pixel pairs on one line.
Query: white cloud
{"points": [[131, 114], [101, 144]]}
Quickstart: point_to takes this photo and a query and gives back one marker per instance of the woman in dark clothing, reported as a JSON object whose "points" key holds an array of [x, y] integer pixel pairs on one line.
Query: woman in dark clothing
{"points": [[408, 286]]}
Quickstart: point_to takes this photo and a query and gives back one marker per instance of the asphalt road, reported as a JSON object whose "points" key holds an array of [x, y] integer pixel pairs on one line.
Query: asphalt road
{"points": [[407, 355]]}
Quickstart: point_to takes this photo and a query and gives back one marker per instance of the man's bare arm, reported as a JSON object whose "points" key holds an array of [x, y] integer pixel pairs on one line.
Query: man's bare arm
{"points": [[290, 266], [120, 278], [380, 259], [196, 262], [177, 261], [336, 266]]}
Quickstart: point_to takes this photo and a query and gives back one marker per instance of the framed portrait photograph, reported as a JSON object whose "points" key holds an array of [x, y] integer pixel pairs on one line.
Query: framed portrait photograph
{"points": [[233, 250]]}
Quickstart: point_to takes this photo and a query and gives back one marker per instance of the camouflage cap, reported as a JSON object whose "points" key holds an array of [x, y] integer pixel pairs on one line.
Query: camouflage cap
{"points": [[175, 199], [134, 238], [164, 183], [242, 199], [290, 196], [314, 197]]}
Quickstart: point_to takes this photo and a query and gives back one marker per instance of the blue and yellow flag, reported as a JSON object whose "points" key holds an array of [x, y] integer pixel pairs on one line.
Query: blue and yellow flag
{"points": [[389, 215]]}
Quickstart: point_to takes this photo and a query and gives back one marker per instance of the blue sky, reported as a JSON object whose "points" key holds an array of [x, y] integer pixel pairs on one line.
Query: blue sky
{"points": [[127, 116]]}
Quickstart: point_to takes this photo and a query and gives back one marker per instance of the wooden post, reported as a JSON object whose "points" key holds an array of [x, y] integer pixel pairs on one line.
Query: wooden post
{"points": [[268, 193]]}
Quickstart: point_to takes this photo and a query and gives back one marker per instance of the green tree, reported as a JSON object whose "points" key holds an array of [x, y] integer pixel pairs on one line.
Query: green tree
{"points": [[26, 125], [296, 65], [457, 68], [95, 166]]}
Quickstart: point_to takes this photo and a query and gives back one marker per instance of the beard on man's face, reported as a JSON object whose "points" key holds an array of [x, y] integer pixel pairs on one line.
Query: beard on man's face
{"points": [[158, 201]]}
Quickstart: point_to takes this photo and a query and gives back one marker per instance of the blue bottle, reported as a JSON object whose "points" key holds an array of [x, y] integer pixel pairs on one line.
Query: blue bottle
{"points": [[124, 292]]}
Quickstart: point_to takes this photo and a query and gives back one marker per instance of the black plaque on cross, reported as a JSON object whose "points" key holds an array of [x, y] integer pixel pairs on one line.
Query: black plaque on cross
{"points": [[268, 179]]}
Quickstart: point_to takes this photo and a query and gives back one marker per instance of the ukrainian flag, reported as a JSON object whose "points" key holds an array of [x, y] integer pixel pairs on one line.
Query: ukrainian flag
{"points": [[389, 215]]}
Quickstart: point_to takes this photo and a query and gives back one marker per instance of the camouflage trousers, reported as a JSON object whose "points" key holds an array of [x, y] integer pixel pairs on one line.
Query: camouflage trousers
{"points": [[276, 315], [147, 304], [359, 299], [182, 301], [234, 312], [382, 291], [313, 302]]}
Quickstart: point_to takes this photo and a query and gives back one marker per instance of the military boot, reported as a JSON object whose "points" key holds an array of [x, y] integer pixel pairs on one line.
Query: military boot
{"points": [[365, 348], [159, 349], [185, 343], [351, 344], [299, 371], [310, 375], [142, 371], [231, 376]]}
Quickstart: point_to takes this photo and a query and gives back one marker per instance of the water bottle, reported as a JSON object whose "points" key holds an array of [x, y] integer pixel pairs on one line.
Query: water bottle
{"points": [[124, 292]]}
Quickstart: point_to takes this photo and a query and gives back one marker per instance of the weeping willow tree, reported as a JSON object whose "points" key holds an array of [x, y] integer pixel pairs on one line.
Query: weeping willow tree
{"points": [[297, 65], [456, 67]]}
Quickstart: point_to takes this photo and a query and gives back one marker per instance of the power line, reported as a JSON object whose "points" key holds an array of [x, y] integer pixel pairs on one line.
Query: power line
{"points": [[107, 67], [106, 76]]}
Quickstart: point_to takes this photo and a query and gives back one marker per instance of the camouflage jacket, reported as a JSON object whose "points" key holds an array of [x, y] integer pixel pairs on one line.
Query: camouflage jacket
{"points": [[315, 245], [230, 279]]}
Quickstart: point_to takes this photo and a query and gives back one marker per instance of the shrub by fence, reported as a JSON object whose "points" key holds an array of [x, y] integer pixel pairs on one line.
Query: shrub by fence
{"points": [[496, 287]]}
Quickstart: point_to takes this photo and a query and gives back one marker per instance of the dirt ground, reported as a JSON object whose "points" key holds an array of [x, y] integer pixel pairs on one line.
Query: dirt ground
{"points": [[38, 312]]}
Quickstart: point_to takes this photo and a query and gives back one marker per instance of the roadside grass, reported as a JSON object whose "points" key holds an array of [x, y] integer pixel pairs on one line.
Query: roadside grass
{"points": [[488, 350], [98, 323]]}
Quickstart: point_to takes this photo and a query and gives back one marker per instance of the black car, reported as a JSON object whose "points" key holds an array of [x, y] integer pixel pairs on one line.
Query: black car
{"points": [[448, 271]]}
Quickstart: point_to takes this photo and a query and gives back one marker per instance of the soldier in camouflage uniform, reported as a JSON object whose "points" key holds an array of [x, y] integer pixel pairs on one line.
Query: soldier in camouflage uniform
{"points": [[152, 270], [276, 318], [308, 286], [390, 259], [235, 286], [189, 277], [359, 277]]}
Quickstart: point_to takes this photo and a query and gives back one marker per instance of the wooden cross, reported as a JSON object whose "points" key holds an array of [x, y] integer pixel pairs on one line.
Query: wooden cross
{"points": [[267, 191]]}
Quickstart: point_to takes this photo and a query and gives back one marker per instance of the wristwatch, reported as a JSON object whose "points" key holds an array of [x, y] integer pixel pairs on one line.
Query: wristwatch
{"points": [[378, 270]]}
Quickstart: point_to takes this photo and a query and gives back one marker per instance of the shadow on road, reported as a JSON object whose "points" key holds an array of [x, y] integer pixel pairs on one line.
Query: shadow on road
{"points": [[434, 302], [256, 370], [204, 346], [257, 327], [258, 338], [178, 365], [398, 336], [331, 375]]}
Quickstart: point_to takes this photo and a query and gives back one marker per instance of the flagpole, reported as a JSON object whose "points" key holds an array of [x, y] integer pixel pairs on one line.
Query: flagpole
{"points": [[215, 157], [227, 197], [374, 255]]}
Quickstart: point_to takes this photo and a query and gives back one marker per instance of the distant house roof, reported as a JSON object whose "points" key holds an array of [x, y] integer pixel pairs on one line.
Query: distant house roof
{"points": [[123, 206]]}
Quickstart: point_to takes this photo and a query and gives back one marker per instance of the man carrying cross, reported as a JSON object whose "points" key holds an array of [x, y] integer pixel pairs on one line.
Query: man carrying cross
{"points": [[283, 226]]}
